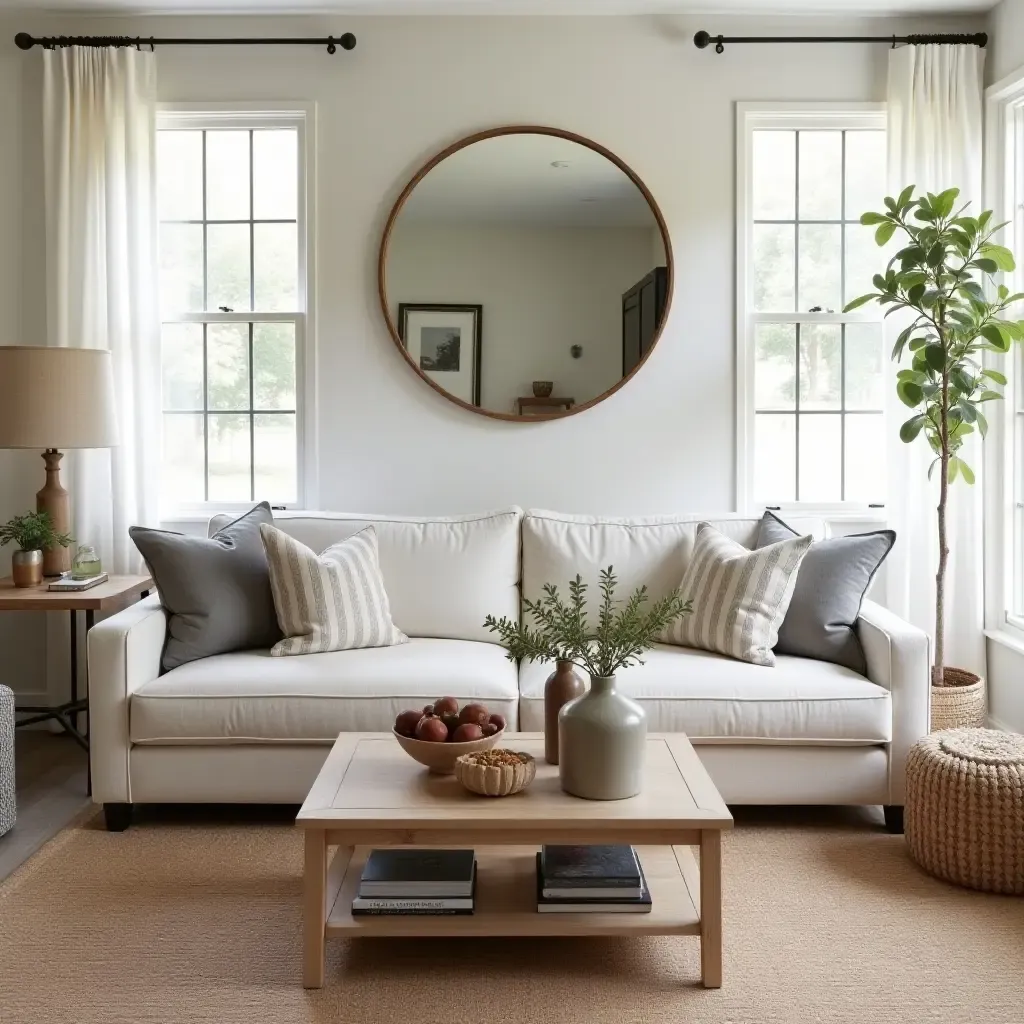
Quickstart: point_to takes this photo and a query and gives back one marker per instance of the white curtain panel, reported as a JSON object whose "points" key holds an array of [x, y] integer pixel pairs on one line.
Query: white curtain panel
{"points": [[99, 137], [935, 143]]}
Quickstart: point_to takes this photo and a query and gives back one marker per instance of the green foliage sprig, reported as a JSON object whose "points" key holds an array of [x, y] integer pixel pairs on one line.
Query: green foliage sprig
{"points": [[624, 630], [939, 279], [33, 532]]}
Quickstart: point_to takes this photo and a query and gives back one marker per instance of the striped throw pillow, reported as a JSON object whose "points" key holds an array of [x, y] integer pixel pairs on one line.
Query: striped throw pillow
{"points": [[739, 597], [334, 601]]}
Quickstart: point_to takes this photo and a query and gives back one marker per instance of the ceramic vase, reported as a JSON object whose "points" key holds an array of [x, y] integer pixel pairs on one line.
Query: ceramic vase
{"points": [[602, 738], [562, 686]]}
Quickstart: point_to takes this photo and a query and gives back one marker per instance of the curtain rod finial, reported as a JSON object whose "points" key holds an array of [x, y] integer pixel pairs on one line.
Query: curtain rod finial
{"points": [[701, 39], [24, 41]]}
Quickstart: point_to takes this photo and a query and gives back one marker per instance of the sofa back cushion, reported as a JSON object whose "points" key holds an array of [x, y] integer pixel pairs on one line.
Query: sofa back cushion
{"points": [[654, 550], [443, 575]]}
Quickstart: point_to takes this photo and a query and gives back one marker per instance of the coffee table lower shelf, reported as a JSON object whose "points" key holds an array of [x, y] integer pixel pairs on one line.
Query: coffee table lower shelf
{"points": [[506, 900]]}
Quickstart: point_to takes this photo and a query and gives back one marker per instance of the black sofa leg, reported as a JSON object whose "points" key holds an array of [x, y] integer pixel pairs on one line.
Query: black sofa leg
{"points": [[118, 816], [893, 819]]}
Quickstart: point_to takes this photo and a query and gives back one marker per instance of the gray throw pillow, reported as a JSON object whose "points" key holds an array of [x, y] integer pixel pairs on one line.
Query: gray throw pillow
{"points": [[830, 586], [216, 589]]}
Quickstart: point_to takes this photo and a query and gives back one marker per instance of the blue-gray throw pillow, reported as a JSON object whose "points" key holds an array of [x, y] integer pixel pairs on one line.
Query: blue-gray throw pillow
{"points": [[216, 590], [830, 586]]}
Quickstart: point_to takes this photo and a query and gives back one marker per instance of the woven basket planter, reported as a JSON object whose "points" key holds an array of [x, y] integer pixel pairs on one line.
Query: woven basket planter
{"points": [[960, 704], [964, 815]]}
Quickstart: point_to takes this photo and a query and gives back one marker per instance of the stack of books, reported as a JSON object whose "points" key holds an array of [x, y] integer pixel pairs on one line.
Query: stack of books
{"points": [[68, 584], [591, 880], [403, 881]]}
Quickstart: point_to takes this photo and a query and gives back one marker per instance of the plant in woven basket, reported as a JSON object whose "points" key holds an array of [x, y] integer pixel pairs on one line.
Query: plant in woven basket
{"points": [[943, 277], [624, 630], [33, 532]]}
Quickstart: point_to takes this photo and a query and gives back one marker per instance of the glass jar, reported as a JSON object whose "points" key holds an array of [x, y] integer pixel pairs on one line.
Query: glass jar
{"points": [[86, 564]]}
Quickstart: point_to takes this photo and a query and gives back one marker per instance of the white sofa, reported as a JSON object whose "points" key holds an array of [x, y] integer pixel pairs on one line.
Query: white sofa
{"points": [[248, 728]]}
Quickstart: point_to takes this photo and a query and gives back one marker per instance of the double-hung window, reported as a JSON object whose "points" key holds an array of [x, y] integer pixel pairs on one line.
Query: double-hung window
{"points": [[810, 378], [1004, 455], [232, 204]]}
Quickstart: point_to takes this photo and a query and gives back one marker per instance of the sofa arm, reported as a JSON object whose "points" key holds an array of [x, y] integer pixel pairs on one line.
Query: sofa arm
{"points": [[899, 658], [124, 653]]}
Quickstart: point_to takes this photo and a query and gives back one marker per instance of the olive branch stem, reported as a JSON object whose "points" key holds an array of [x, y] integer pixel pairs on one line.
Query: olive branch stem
{"points": [[624, 631]]}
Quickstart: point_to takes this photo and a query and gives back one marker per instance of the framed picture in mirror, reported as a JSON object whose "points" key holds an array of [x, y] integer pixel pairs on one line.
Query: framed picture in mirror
{"points": [[444, 341]]}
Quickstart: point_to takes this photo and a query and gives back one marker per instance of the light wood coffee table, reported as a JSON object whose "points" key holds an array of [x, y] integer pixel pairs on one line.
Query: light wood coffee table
{"points": [[370, 793]]}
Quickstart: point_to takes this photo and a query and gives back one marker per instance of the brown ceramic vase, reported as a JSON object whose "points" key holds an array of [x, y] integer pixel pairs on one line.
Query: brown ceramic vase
{"points": [[562, 686]]}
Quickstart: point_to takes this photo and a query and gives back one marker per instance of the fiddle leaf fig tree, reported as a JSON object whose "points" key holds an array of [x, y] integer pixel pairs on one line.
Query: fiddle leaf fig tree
{"points": [[938, 278]]}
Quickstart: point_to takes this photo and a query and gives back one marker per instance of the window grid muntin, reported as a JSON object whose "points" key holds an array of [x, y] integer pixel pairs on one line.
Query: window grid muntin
{"points": [[250, 317], [804, 317], [796, 222], [251, 412], [798, 413]]}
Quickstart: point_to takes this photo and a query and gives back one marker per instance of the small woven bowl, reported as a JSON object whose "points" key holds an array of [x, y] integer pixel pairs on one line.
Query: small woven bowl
{"points": [[440, 758], [543, 388], [495, 780]]}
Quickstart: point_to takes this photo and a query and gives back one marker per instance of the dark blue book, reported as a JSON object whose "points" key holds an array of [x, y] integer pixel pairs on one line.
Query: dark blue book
{"points": [[589, 867]]}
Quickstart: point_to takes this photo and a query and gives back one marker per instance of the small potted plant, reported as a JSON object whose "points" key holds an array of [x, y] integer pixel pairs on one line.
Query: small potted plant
{"points": [[32, 532], [602, 734]]}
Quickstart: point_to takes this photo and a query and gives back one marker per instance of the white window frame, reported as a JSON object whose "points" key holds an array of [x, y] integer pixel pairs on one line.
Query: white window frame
{"points": [[800, 116], [1004, 466], [301, 117]]}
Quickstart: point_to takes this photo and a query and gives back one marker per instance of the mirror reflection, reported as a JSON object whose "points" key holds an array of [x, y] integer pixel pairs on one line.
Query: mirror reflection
{"points": [[526, 274]]}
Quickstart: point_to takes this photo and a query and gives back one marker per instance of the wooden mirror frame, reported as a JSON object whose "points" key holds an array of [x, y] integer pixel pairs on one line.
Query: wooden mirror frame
{"points": [[525, 129]]}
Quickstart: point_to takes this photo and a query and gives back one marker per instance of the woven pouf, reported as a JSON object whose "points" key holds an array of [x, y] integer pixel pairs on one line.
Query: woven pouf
{"points": [[7, 807], [964, 815]]}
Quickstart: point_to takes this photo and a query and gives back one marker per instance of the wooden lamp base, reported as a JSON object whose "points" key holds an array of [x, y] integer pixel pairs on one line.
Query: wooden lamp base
{"points": [[55, 500]]}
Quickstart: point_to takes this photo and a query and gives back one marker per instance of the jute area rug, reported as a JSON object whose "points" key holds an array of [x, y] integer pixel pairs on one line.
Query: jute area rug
{"points": [[826, 920]]}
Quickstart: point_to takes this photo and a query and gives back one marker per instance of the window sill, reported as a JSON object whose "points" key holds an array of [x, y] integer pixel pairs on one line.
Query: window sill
{"points": [[1010, 639]]}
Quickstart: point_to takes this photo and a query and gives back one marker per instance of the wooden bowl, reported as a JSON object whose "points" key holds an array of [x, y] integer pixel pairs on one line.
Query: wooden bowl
{"points": [[440, 758], [496, 780], [543, 388]]}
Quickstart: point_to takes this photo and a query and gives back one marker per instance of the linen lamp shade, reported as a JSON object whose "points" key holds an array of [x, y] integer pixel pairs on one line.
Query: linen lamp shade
{"points": [[53, 398], [56, 398]]}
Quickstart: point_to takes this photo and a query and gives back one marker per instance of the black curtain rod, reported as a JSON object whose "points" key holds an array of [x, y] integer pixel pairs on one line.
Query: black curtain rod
{"points": [[25, 41], [703, 39]]}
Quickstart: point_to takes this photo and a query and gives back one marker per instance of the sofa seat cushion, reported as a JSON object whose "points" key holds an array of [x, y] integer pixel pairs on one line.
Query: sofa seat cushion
{"points": [[714, 699], [250, 697]]}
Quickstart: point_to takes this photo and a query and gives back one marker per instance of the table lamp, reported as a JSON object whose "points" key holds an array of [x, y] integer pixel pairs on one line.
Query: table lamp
{"points": [[54, 398]]}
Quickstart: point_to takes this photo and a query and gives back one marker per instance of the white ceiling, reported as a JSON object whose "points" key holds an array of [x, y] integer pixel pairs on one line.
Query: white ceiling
{"points": [[510, 179], [707, 7]]}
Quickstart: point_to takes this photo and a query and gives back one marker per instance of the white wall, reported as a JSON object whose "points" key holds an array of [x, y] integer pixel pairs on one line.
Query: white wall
{"points": [[542, 289], [411, 86], [1006, 40]]}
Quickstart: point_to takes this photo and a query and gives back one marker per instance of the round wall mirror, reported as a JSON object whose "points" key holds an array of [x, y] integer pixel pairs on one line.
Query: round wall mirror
{"points": [[525, 273]]}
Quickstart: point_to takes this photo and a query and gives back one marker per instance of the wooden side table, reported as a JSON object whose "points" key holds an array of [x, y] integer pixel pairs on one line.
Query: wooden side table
{"points": [[532, 406], [116, 593]]}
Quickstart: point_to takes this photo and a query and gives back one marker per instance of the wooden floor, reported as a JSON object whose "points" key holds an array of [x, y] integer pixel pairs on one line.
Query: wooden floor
{"points": [[50, 777]]}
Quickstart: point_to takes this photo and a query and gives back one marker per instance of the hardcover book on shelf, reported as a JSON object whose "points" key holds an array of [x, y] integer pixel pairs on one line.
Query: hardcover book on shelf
{"points": [[412, 905], [418, 874], [578, 867], [582, 903]]}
